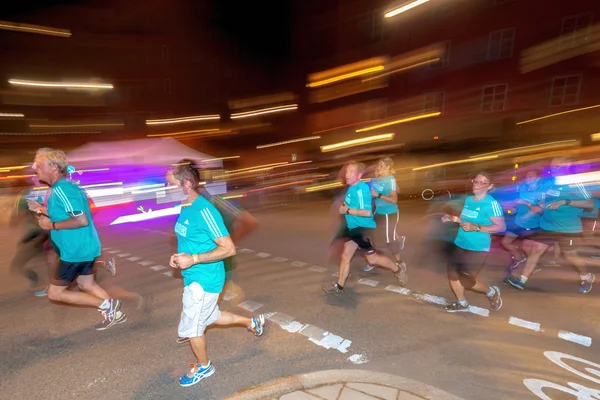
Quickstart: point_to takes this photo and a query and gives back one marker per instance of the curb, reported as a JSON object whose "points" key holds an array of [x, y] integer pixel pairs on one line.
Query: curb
{"points": [[279, 387]]}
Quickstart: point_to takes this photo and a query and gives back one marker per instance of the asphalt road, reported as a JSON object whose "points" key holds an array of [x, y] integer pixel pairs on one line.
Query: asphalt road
{"points": [[52, 351]]}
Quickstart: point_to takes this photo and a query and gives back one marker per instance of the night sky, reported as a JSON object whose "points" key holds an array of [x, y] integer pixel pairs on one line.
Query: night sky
{"points": [[263, 28]]}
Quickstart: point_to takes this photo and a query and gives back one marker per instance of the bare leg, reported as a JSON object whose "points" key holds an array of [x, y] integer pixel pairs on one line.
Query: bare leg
{"points": [[458, 289], [382, 261], [198, 345], [481, 287], [349, 250], [60, 293], [86, 283], [536, 251], [508, 243], [227, 318]]}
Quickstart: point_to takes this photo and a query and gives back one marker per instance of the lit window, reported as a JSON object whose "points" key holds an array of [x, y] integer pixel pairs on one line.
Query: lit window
{"points": [[493, 98], [501, 44], [434, 101], [565, 90]]}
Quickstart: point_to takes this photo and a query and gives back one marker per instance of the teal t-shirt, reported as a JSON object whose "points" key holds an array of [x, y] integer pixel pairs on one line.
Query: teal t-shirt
{"points": [[566, 219], [478, 213], [385, 186], [197, 227], [66, 199], [525, 218], [359, 197]]}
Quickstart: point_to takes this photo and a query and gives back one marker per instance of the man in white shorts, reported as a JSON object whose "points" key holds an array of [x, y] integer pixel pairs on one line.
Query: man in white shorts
{"points": [[203, 243]]}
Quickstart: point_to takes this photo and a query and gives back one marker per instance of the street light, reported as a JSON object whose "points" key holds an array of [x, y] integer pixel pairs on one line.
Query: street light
{"points": [[405, 7]]}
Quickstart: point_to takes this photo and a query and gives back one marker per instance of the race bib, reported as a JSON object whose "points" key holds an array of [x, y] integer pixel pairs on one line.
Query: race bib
{"points": [[470, 214], [552, 192]]}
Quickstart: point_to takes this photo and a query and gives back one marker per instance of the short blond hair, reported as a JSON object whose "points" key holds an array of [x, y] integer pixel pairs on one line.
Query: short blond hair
{"points": [[360, 167], [55, 157]]}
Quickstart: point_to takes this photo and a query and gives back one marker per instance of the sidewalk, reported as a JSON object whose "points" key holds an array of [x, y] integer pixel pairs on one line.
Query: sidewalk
{"points": [[343, 384]]}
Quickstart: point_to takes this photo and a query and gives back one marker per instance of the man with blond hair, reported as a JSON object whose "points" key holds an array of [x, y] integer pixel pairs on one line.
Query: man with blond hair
{"points": [[69, 221]]}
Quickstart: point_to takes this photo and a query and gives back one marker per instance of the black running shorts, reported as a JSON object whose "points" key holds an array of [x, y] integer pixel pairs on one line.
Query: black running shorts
{"points": [[67, 272]]}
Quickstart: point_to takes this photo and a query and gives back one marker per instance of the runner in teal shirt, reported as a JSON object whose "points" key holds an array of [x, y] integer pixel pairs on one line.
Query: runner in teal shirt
{"points": [[76, 245], [197, 227], [481, 216], [387, 215]]}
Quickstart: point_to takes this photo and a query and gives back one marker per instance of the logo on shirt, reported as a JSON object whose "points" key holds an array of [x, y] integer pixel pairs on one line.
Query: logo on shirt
{"points": [[187, 222], [470, 214], [180, 229], [478, 209]]}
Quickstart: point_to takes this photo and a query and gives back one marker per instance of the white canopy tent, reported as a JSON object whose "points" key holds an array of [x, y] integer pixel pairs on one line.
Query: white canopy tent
{"points": [[159, 151]]}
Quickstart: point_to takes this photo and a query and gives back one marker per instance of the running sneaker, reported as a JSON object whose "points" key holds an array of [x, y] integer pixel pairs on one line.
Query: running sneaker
{"points": [[515, 282], [333, 289], [496, 299], [516, 263], [120, 317], [41, 293], [196, 374], [110, 315], [111, 266], [457, 307], [182, 340], [401, 274], [258, 325], [368, 268], [551, 263], [586, 286]]}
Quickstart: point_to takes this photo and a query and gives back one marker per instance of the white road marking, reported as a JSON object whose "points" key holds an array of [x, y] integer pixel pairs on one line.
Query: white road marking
{"points": [[114, 251], [146, 263], [431, 299], [484, 312], [575, 338], [122, 255], [134, 258], [298, 264], [398, 289], [169, 274], [106, 248], [358, 358], [368, 282], [250, 305], [533, 326], [264, 255], [280, 259], [314, 334], [158, 267], [316, 268], [246, 251], [227, 295]]}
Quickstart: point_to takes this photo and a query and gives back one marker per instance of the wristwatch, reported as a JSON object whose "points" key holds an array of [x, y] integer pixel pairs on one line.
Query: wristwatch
{"points": [[348, 211], [567, 202], [478, 228], [379, 196]]}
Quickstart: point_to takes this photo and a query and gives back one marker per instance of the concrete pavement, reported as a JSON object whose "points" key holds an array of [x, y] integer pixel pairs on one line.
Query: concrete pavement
{"points": [[343, 385], [375, 327]]}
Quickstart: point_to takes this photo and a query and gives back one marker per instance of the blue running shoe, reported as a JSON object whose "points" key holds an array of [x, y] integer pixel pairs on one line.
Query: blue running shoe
{"points": [[368, 268], [41, 293], [196, 374], [516, 263], [258, 324], [515, 282]]}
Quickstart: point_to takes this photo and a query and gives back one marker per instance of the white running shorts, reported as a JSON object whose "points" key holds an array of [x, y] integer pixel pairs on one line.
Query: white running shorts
{"points": [[200, 309]]}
